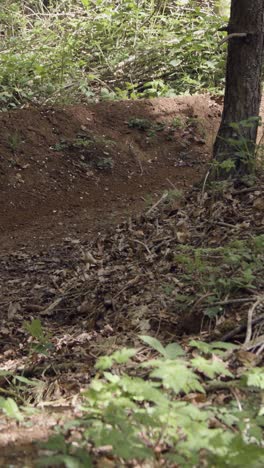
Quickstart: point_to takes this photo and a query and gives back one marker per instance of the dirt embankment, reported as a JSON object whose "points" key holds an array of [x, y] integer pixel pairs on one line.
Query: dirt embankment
{"points": [[74, 170]]}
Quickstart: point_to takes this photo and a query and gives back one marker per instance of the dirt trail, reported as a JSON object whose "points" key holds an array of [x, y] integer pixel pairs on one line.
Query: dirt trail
{"points": [[65, 175], [73, 171]]}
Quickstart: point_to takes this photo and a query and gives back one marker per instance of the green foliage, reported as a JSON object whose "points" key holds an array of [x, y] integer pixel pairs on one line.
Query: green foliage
{"points": [[69, 457], [171, 351], [239, 151], [146, 419], [83, 146], [243, 148], [14, 141], [197, 124], [145, 125], [177, 123], [219, 272], [140, 124], [10, 408], [255, 377], [131, 49], [41, 343], [119, 357], [214, 348], [210, 368], [104, 164], [22, 390]]}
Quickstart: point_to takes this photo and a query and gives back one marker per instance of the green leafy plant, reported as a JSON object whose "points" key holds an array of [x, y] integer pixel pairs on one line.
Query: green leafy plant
{"points": [[219, 272], [197, 124], [41, 343], [104, 163], [19, 390], [240, 150], [14, 141], [73, 50], [145, 125], [242, 147], [65, 454], [177, 123], [140, 124], [145, 418], [10, 408]]}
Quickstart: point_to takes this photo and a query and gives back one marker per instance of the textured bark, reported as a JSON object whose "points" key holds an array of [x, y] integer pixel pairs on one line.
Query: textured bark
{"points": [[243, 85]]}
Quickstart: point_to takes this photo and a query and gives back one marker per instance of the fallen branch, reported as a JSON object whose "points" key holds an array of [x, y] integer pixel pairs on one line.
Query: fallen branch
{"points": [[240, 329], [162, 198], [143, 244], [213, 386], [234, 301], [49, 310], [259, 341], [250, 318]]}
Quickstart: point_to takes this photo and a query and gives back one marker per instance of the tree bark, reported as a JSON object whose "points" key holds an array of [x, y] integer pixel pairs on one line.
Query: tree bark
{"points": [[243, 88]]}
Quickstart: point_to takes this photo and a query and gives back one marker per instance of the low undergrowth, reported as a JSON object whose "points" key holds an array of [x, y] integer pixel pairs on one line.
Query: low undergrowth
{"points": [[114, 50], [219, 273], [167, 405], [167, 409]]}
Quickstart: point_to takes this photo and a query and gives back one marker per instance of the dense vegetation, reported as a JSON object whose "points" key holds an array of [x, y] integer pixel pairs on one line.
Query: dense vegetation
{"points": [[84, 49]]}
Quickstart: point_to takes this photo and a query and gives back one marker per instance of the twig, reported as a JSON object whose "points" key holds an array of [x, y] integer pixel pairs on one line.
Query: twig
{"points": [[212, 386], [50, 369], [142, 243], [204, 182], [240, 329], [250, 317], [234, 392], [162, 198], [260, 350], [230, 36], [172, 184], [221, 223], [259, 341], [244, 190], [6, 391], [234, 301], [199, 300], [129, 283], [51, 307]]}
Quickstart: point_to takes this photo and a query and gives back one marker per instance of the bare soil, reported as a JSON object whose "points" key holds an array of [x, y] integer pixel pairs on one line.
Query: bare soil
{"points": [[74, 170]]}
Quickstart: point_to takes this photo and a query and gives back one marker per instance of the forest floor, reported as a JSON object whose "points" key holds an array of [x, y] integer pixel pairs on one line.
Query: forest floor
{"points": [[80, 236]]}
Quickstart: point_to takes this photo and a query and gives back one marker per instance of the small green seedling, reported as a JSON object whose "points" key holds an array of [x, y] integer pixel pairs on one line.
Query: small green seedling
{"points": [[41, 343]]}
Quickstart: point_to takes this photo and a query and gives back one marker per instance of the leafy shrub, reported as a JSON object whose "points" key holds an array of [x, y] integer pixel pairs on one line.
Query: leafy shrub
{"points": [[219, 272], [157, 415], [133, 49]]}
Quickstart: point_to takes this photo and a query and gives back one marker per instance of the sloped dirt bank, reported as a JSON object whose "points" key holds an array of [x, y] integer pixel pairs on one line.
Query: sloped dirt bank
{"points": [[65, 175], [75, 170]]}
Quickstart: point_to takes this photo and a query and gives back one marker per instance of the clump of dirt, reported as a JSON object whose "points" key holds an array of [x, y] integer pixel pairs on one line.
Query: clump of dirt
{"points": [[74, 170]]}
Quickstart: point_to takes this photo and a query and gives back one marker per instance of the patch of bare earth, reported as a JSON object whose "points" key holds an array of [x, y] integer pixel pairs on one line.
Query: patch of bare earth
{"points": [[90, 221], [75, 170]]}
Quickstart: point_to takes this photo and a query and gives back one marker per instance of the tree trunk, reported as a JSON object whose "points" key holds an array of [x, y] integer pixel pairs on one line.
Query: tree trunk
{"points": [[237, 141]]}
